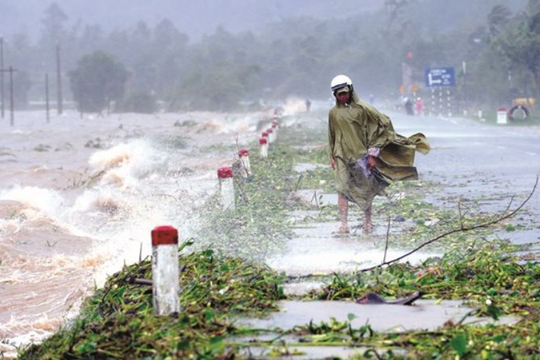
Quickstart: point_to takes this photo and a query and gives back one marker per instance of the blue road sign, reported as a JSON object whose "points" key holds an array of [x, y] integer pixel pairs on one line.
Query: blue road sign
{"points": [[440, 76]]}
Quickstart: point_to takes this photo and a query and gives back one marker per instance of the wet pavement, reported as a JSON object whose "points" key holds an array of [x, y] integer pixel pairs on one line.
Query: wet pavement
{"points": [[423, 315], [315, 249], [307, 352], [487, 168], [490, 168]]}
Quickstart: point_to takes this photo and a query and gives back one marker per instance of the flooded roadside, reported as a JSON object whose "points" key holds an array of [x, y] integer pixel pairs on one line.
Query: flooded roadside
{"points": [[315, 251], [79, 196], [132, 192], [284, 334], [422, 315]]}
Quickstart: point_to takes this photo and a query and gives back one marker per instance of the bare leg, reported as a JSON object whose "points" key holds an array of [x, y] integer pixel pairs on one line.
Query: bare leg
{"points": [[367, 220], [343, 205]]}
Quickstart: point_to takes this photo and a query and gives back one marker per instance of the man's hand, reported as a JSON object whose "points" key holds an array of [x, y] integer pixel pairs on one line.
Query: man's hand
{"points": [[333, 163], [371, 162], [373, 153]]}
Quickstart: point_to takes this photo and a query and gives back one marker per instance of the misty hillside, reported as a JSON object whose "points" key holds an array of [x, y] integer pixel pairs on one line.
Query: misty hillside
{"points": [[246, 50], [193, 18]]}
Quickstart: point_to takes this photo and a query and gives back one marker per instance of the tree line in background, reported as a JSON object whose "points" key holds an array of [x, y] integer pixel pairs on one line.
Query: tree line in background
{"points": [[494, 48]]}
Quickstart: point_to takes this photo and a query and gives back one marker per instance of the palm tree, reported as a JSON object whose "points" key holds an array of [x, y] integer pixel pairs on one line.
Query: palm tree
{"points": [[498, 17], [533, 7]]}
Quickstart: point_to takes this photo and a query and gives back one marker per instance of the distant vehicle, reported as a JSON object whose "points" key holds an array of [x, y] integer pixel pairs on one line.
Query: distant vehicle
{"points": [[520, 109]]}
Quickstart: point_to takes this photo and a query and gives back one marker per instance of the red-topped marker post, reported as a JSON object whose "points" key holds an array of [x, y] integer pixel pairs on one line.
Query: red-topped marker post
{"points": [[502, 116], [165, 273], [226, 187], [264, 147], [271, 135], [275, 127], [244, 159]]}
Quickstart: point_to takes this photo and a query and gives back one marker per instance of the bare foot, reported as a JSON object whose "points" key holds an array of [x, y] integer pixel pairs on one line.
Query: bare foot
{"points": [[343, 230]]}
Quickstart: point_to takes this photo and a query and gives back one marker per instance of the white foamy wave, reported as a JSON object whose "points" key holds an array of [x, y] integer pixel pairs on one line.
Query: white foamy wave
{"points": [[45, 200], [234, 124], [134, 157], [85, 201], [239, 124], [293, 106]]}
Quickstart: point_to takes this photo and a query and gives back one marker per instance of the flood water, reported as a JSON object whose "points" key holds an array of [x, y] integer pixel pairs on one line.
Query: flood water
{"points": [[80, 196], [423, 315]]}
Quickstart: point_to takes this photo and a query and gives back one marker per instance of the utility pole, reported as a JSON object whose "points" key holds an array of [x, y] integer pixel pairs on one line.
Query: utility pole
{"points": [[59, 79], [11, 70], [2, 97], [464, 68], [47, 96]]}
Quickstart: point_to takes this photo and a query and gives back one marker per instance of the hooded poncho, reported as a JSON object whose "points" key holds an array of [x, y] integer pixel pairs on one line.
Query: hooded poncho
{"points": [[355, 127]]}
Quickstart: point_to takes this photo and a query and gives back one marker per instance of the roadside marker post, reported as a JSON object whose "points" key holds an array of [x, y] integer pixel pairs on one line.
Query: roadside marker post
{"points": [[480, 115], [264, 147], [165, 272], [244, 159], [226, 186], [502, 116]]}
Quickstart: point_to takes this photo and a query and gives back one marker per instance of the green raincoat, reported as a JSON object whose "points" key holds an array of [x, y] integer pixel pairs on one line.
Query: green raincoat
{"points": [[353, 129]]}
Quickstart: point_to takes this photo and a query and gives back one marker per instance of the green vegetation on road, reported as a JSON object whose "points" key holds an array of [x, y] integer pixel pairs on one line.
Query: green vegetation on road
{"points": [[118, 321]]}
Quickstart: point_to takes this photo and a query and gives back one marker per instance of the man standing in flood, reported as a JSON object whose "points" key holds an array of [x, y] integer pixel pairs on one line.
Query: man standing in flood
{"points": [[365, 152]]}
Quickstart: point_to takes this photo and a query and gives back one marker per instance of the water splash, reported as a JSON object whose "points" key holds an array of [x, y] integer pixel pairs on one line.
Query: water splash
{"points": [[38, 199]]}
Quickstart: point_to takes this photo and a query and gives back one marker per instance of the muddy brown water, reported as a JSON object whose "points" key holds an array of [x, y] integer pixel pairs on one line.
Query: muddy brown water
{"points": [[80, 196]]}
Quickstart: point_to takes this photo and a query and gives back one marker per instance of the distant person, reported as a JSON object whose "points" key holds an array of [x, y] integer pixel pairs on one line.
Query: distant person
{"points": [[308, 105], [419, 105], [409, 106], [358, 139]]}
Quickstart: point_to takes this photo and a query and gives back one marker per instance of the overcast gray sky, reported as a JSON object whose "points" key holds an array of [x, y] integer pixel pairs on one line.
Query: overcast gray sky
{"points": [[193, 17]]}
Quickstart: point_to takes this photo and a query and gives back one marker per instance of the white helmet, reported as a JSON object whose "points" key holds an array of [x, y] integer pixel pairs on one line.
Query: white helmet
{"points": [[339, 82]]}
